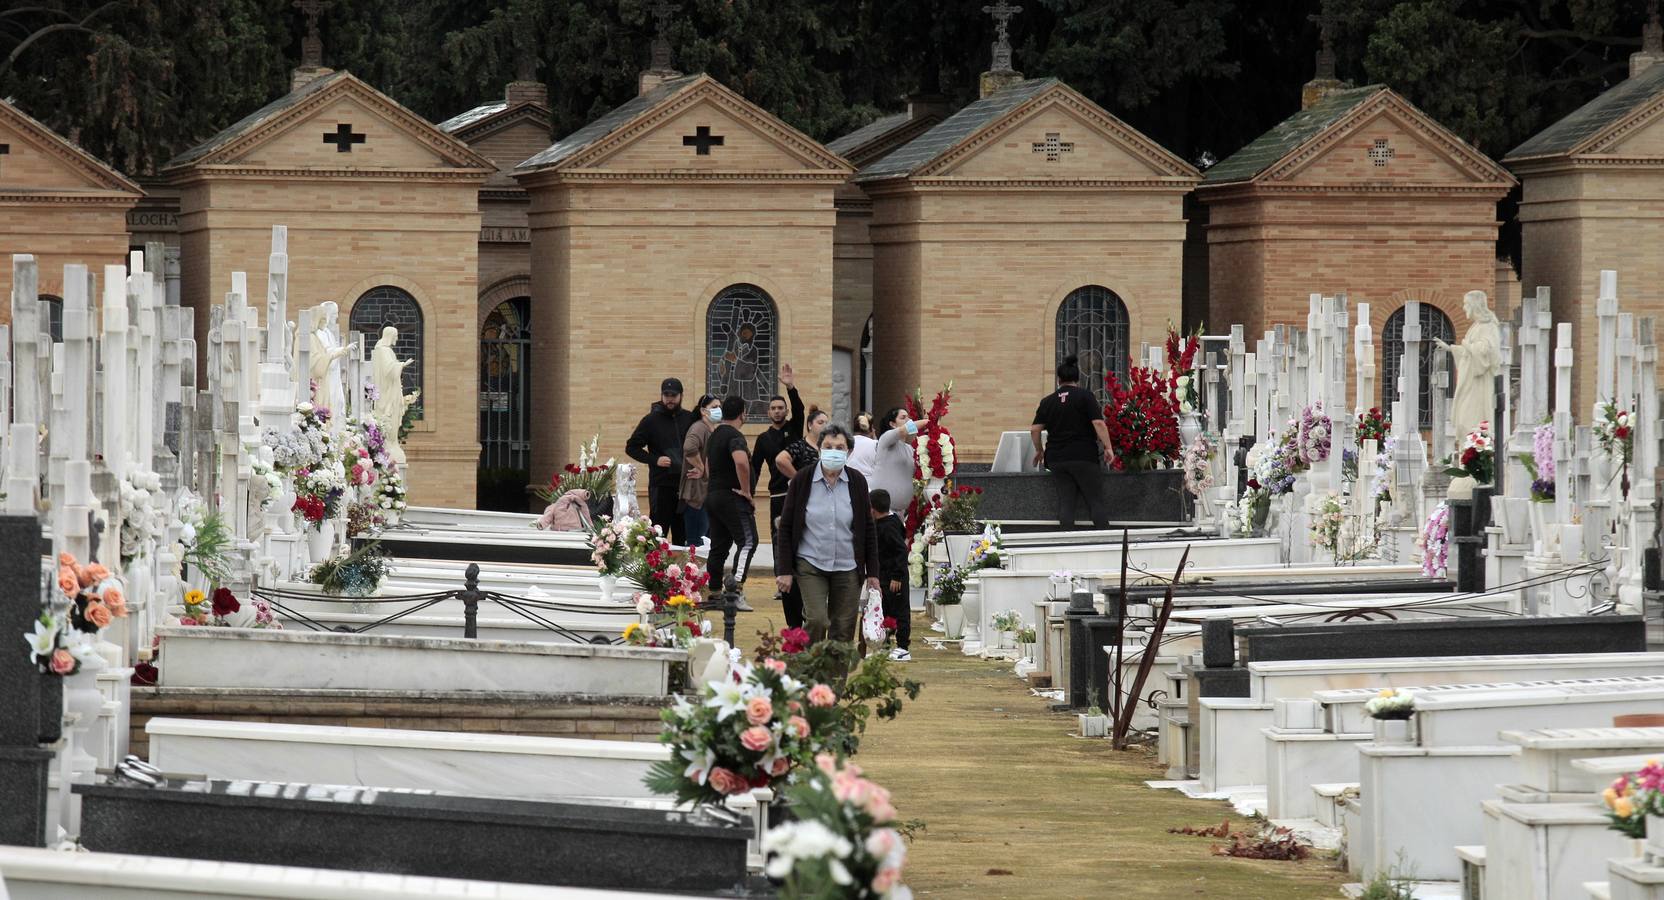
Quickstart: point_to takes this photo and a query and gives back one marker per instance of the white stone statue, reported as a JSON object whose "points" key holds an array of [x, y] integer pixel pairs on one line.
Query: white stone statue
{"points": [[387, 370], [624, 505], [1478, 361], [325, 362]]}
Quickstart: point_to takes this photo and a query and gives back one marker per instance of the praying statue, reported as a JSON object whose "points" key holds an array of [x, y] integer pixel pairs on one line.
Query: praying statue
{"points": [[325, 363], [387, 370], [1478, 361]]}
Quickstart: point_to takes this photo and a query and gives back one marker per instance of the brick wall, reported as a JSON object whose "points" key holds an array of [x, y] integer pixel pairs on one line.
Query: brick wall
{"points": [[552, 715], [59, 234]]}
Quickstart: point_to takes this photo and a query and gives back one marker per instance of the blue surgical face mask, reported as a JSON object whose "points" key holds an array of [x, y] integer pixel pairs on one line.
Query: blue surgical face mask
{"points": [[912, 427], [833, 460], [715, 415]]}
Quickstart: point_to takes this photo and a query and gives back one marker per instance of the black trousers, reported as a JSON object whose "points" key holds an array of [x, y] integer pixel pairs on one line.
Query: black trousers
{"points": [[662, 503], [732, 529], [791, 601], [1080, 477], [896, 607]]}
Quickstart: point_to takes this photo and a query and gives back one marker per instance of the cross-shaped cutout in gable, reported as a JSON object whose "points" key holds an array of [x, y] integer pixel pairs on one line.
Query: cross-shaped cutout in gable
{"points": [[343, 137], [702, 140], [1054, 147], [1381, 153]]}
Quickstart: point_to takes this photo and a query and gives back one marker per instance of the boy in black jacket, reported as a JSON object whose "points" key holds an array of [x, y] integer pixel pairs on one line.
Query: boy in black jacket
{"points": [[892, 572]]}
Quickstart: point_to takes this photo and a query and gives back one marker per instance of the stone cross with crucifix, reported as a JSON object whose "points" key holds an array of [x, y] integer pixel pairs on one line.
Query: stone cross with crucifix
{"points": [[311, 46], [1002, 13]]}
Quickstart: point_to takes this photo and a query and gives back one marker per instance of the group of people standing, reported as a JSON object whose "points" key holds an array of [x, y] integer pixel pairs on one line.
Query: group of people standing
{"points": [[835, 500]]}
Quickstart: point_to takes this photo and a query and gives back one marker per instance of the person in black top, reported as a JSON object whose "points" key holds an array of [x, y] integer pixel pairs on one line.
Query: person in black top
{"points": [[780, 432], [657, 444], [728, 496], [1074, 427], [892, 572]]}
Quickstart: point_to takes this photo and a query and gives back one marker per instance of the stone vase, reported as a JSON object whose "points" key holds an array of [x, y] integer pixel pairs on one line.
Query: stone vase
{"points": [[1004, 640], [1392, 731], [1190, 428], [609, 585], [959, 546], [1515, 517], [1093, 726], [953, 621], [320, 540]]}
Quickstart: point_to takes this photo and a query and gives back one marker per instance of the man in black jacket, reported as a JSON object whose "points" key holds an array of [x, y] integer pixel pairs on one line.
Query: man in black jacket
{"points": [[657, 444], [781, 432]]}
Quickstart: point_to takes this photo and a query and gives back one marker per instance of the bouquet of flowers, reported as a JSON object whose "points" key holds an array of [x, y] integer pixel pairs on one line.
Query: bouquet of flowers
{"points": [[144, 516], [843, 843], [1434, 542], [309, 444], [948, 587], [1142, 418], [1373, 425], [206, 542], [1315, 435], [268, 479], [354, 574], [666, 623], [1326, 525], [588, 473], [955, 509], [987, 552], [749, 730], [1633, 797], [1181, 363], [1380, 487], [612, 544], [1390, 704], [1614, 433], [88, 598], [1009, 620], [1198, 465], [203, 610], [319, 490], [936, 457], [1539, 463], [1477, 457]]}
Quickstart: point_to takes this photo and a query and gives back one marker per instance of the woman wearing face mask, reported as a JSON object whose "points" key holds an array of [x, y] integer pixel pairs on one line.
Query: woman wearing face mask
{"points": [[694, 471], [892, 465], [828, 545]]}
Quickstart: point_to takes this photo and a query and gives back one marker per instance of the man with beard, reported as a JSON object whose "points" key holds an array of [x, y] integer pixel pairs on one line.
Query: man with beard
{"points": [[657, 444]]}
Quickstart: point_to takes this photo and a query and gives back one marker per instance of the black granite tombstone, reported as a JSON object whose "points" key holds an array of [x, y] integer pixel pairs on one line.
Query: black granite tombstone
{"points": [[401, 548], [1133, 497], [1468, 521], [31, 703], [437, 835]]}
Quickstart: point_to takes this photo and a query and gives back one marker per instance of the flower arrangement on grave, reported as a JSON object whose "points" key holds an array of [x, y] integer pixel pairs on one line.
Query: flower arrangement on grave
{"points": [[936, 457], [1181, 363], [205, 541], [863, 685], [1380, 487], [1142, 418], [1614, 432], [843, 843], [589, 473], [613, 543], [1539, 463], [1327, 522], [144, 516], [356, 573], [1391, 704], [668, 623], [1027, 635], [948, 587], [1198, 465], [1434, 541], [987, 552], [1315, 435], [216, 609], [86, 600], [1373, 425], [672, 584], [307, 445], [951, 511], [1476, 458], [1009, 620], [748, 730], [1633, 797]]}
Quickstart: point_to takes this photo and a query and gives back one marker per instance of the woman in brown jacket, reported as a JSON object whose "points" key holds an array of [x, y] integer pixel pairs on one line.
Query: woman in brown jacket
{"points": [[694, 471], [827, 543]]}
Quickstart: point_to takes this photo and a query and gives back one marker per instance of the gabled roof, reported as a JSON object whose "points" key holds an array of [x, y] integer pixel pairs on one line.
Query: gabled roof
{"points": [[489, 118], [479, 113], [954, 130], [643, 112], [1587, 124], [868, 133], [249, 130], [99, 175], [1288, 135], [1307, 134], [622, 115]]}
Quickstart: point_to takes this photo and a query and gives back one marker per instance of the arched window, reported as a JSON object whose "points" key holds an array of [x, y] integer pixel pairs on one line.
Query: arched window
{"points": [[866, 366], [1092, 325], [387, 305], [54, 316], [1434, 324], [742, 347]]}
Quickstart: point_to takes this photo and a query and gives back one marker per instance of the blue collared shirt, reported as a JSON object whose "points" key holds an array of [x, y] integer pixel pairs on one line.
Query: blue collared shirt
{"points": [[828, 543]]}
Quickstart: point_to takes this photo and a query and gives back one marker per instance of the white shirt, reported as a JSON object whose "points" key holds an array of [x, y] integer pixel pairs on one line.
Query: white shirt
{"points": [[863, 457]]}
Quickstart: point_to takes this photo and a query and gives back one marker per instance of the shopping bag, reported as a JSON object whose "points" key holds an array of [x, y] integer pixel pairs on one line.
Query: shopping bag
{"points": [[872, 616]]}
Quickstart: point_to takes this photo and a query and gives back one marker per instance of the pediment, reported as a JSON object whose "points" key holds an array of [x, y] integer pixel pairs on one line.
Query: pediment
{"points": [[1638, 135], [1062, 135], [308, 132], [38, 160], [1386, 141], [737, 136]]}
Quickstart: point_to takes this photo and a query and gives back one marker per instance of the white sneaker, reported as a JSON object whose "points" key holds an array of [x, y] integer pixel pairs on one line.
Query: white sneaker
{"points": [[900, 655]]}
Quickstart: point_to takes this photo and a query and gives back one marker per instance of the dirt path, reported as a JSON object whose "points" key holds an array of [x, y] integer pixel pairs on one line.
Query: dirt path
{"points": [[1016, 807]]}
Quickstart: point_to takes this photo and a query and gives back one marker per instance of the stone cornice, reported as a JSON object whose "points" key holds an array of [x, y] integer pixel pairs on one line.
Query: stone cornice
{"points": [[1241, 190], [202, 173], [1545, 164], [944, 184], [551, 177], [71, 198], [1118, 132]]}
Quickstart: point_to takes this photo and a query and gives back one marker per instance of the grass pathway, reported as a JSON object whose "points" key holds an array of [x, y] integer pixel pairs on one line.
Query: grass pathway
{"points": [[1016, 807]]}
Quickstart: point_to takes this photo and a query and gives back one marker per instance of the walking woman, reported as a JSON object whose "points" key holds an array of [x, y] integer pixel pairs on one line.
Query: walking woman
{"points": [[695, 471], [828, 544], [1074, 427]]}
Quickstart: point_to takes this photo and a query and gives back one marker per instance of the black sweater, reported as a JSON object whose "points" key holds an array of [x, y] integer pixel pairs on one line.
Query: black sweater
{"points": [[660, 433], [892, 550]]}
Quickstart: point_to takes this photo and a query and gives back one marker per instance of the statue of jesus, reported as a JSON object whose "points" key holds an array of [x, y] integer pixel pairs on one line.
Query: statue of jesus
{"points": [[387, 370], [1478, 361]]}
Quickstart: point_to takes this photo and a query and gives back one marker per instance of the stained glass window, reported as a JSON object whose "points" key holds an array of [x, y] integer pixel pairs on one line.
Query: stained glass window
{"points": [[382, 306], [742, 347], [1092, 326], [1434, 324]]}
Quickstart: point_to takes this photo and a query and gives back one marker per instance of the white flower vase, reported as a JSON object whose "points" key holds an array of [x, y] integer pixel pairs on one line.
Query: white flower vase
{"points": [[1515, 517], [321, 541], [1190, 428], [1539, 527], [609, 584], [1007, 640], [953, 621], [1392, 731]]}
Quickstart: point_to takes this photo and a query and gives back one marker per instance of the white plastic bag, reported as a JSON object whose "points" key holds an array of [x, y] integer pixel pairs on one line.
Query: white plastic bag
{"points": [[872, 616]]}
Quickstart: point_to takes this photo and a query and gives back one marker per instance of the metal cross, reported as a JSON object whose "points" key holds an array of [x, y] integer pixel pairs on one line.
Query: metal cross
{"points": [[1326, 22], [702, 140], [1053, 147], [343, 137], [662, 10], [1002, 13], [1381, 153]]}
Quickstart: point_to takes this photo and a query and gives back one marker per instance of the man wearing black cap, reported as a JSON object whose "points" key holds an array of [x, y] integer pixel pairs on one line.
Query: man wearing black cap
{"points": [[657, 444]]}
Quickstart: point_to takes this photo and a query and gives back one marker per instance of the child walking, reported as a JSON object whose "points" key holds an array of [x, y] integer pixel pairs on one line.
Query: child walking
{"points": [[892, 572]]}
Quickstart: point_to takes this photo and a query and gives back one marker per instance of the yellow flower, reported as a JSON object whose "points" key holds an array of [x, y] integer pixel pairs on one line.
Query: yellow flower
{"points": [[631, 629], [1386, 692], [1609, 796], [1623, 807], [193, 598], [678, 600]]}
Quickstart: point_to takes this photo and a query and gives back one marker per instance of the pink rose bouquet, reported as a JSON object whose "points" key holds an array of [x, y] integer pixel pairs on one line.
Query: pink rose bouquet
{"points": [[844, 842]]}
